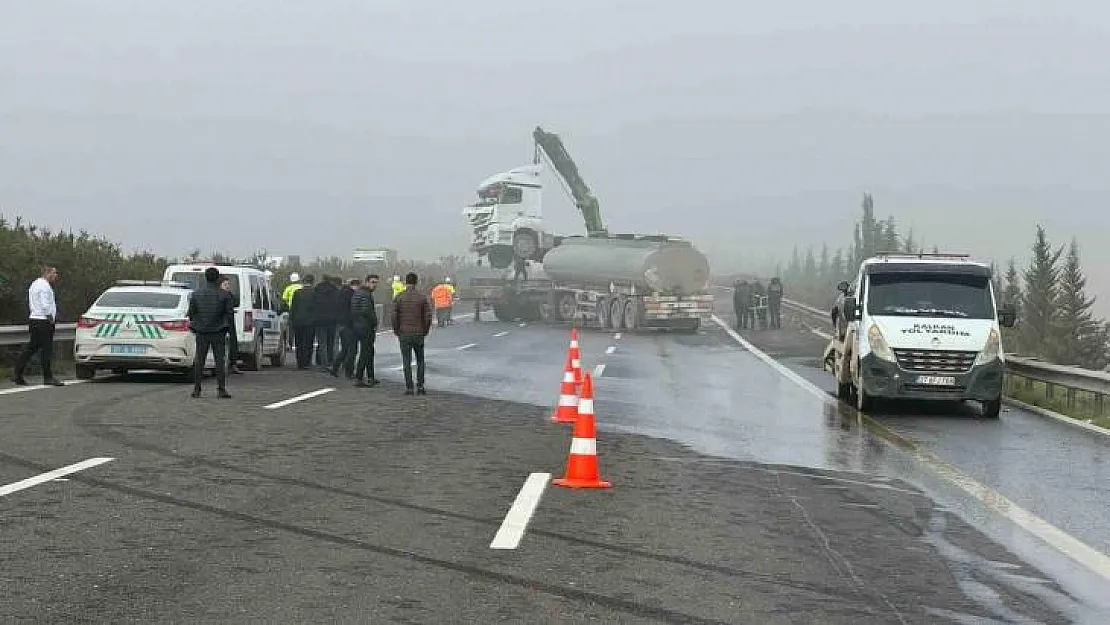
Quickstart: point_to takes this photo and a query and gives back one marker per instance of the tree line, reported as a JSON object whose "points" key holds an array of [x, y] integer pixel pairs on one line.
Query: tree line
{"points": [[1055, 317], [88, 264]]}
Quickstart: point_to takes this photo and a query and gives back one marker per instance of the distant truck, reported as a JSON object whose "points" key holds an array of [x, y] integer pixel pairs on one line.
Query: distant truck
{"points": [[919, 326], [619, 282]]}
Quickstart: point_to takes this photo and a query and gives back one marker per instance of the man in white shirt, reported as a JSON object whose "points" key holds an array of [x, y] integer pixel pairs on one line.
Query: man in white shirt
{"points": [[40, 322]]}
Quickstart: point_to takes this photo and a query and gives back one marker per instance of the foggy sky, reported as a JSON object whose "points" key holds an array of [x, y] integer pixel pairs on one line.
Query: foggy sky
{"points": [[317, 127]]}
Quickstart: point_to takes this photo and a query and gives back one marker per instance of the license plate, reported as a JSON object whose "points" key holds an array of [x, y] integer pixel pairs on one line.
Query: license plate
{"points": [[128, 349], [936, 380]]}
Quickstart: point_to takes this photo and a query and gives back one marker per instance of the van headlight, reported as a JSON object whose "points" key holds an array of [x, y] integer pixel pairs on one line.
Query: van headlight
{"points": [[878, 344], [991, 350]]}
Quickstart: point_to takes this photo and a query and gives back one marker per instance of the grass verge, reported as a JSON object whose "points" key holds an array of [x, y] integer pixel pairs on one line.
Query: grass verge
{"points": [[1085, 407]]}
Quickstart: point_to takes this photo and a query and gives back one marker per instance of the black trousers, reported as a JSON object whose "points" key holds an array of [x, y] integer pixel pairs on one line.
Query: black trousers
{"points": [[42, 341], [217, 342], [743, 318], [348, 350], [325, 350], [305, 336], [365, 343], [412, 344], [774, 309], [232, 347]]}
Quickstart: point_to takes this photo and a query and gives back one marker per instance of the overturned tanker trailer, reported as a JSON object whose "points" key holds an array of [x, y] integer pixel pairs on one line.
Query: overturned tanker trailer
{"points": [[619, 282]]}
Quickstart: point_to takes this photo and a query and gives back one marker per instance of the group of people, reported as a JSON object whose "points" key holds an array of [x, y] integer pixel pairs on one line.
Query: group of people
{"points": [[753, 303], [320, 312]]}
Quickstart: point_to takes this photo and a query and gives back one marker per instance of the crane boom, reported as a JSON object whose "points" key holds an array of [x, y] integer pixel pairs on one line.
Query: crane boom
{"points": [[551, 146]]}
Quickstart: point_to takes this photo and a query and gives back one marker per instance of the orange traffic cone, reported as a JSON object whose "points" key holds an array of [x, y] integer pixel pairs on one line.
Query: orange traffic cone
{"points": [[575, 358], [567, 410], [582, 470]]}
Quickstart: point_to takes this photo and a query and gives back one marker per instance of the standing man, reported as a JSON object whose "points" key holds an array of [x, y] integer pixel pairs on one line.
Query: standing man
{"points": [[412, 321], [287, 297], [364, 322], [302, 314], [326, 296], [741, 303], [441, 297], [348, 344], [232, 332], [209, 309], [40, 324], [774, 303]]}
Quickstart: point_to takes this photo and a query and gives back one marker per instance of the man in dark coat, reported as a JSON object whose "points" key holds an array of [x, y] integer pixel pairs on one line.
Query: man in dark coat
{"points": [[348, 345], [209, 309], [774, 303], [302, 316], [412, 321], [742, 303], [364, 329], [232, 331], [326, 298]]}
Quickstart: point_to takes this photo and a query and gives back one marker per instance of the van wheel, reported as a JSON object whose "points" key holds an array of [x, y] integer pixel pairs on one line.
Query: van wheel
{"points": [[844, 391], [253, 362], [992, 408], [864, 402], [85, 372]]}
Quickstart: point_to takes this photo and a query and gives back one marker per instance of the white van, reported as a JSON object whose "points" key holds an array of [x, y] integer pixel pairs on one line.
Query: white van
{"points": [[921, 326], [258, 322]]}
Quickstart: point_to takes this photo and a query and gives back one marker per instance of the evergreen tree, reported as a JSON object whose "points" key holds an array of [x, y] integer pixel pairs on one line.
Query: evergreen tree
{"points": [[1039, 298], [823, 265], [836, 267], [891, 242], [811, 265], [1011, 291], [909, 246], [1078, 338]]}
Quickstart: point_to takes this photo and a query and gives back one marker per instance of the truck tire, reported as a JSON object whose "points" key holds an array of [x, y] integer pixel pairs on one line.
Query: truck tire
{"points": [[526, 244], [992, 409], [503, 313], [85, 372], [603, 319], [632, 315], [616, 314], [566, 306]]}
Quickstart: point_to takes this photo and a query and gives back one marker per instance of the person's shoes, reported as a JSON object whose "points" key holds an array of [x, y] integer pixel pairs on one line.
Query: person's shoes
{"points": [[235, 370], [332, 372], [195, 393], [420, 391], [408, 391], [53, 382], [18, 381], [223, 394]]}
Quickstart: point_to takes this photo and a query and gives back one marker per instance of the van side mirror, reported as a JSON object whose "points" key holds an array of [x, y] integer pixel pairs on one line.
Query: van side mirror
{"points": [[1007, 316], [851, 309], [842, 286]]}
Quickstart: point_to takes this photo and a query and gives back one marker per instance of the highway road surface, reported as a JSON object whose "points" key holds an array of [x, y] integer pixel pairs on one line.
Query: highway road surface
{"points": [[739, 496]]}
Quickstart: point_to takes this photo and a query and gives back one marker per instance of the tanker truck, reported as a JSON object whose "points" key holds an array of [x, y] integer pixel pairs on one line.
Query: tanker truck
{"points": [[617, 282]]}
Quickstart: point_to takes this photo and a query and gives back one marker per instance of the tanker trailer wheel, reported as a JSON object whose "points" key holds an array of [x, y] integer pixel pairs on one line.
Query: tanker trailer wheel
{"points": [[616, 314], [525, 244], [603, 317], [567, 306], [632, 314]]}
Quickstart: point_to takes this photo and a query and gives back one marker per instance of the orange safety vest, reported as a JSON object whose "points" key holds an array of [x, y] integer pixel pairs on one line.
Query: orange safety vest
{"points": [[441, 295]]}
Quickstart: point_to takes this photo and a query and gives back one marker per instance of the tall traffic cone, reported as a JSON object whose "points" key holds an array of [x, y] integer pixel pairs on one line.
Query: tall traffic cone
{"points": [[567, 410], [575, 358], [582, 469]]}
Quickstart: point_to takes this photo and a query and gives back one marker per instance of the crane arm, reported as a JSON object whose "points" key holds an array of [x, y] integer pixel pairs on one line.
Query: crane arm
{"points": [[551, 146]]}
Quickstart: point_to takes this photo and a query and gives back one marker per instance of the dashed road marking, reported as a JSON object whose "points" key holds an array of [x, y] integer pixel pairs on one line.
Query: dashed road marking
{"points": [[502, 333], [52, 475], [598, 370], [516, 521], [36, 387], [293, 400], [467, 346], [610, 349], [1094, 560], [523, 324], [617, 336]]}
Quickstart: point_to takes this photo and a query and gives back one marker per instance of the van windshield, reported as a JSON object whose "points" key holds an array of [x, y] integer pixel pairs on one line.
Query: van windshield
{"points": [[930, 295], [196, 278]]}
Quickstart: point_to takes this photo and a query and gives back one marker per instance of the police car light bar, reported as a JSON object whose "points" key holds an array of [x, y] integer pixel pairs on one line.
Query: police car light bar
{"points": [[165, 283]]}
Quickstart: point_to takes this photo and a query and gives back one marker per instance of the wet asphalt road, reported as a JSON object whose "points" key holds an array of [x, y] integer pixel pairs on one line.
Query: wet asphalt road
{"points": [[363, 506]]}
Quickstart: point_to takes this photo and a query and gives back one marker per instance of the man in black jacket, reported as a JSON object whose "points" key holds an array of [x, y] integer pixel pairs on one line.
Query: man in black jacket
{"points": [[232, 332], [209, 309], [326, 297], [364, 328], [348, 345], [302, 316]]}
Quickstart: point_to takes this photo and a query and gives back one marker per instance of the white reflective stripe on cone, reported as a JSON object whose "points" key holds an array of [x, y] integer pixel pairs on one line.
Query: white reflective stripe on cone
{"points": [[576, 363], [583, 447], [568, 400], [586, 406], [574, 343], [568, 376]]}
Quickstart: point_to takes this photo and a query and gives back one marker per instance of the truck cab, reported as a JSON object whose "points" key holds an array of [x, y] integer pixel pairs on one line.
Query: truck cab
{"points": [[506, 222], [920, 326]]}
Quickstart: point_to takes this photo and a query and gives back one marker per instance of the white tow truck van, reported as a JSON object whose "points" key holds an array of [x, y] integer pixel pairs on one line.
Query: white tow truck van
{"points": [[920, 326]]}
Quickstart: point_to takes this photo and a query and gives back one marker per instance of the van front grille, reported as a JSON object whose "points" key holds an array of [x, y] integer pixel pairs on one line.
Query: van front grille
{"points": [[935, 360]]}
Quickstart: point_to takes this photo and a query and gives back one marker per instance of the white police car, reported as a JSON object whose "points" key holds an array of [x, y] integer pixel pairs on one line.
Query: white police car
{"points": [[137, 325]]}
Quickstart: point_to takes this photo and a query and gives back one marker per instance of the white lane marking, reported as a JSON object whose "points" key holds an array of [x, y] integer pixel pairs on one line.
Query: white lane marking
{"points": [[610, 349], [1048, 414], [523, 324], [1095, 560], [397, 368], [824, 335], [516, 521], [37, 387], [293, 400], [52, 475], [502, 333], [467, 346], [598, 370], [463, 316], [617, 336]]}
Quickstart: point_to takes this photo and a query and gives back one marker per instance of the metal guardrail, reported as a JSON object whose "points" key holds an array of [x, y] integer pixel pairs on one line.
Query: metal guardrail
{"points": [[1072, 379], [18, 335]]}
